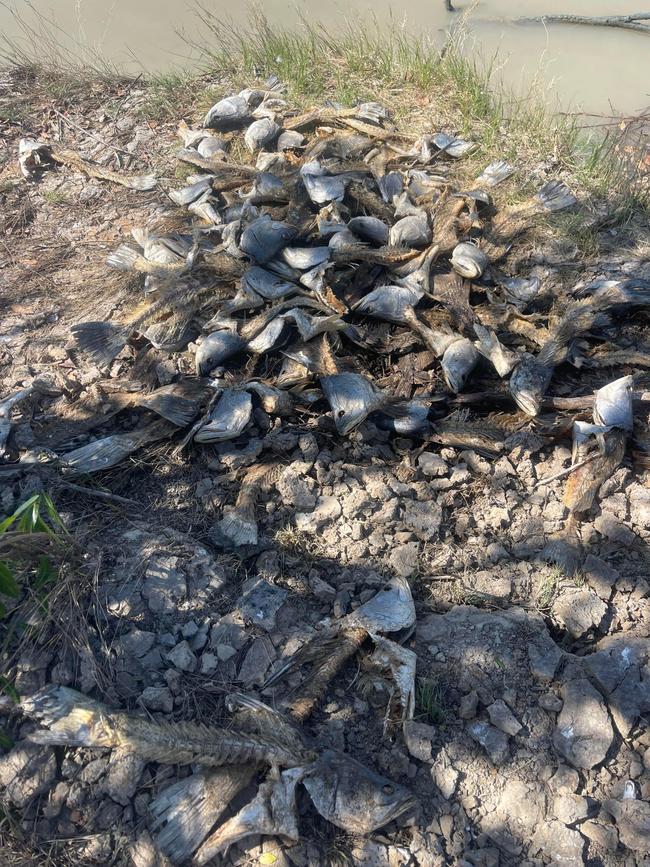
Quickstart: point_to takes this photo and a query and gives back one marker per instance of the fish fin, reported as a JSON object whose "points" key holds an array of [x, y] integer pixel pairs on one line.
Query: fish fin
{"points": [[141, 182], [317, 650], [102, 341], [125, 258], [555, 196], [238, 529], [179, 409], [140, 235], [495, 173], [72, 718]]}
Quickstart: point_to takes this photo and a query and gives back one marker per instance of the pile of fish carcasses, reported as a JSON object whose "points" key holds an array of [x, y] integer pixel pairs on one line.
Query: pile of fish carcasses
{"points": [[346, 255]]}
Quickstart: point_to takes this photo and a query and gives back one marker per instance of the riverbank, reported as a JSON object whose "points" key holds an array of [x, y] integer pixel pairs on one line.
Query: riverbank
{"points": [[148, 612]]}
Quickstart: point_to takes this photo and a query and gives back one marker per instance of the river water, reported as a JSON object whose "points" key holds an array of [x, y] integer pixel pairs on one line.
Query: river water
{"points": [[592, 69]]}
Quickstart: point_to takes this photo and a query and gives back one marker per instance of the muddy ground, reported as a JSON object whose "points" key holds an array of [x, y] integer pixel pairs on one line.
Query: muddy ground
{"points": [[533, 678]]}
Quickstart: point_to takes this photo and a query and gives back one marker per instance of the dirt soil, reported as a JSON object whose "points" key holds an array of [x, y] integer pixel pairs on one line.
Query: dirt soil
{"points": [[530, 744]]}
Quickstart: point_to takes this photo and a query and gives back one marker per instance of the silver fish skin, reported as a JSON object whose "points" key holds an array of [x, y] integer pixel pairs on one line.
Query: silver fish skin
{"points": [[266, 284], [261, 133], [228, 419], [495, 173], [216, 348], [227, 114], [390, 610], [490, 347], [264, 238], [529, 382], [458, 361], [469, 261], [305, 258], [613, 404], [411, 231], [352, 796], [370, 229], [268, 337], [413, 418], [389, 303], [520, 291], [352, 398]]}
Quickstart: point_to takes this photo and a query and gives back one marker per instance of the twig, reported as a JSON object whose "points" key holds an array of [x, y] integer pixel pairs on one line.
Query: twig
{"points": [[627, 22], [564, 473], [96, 138], [100, 495]]}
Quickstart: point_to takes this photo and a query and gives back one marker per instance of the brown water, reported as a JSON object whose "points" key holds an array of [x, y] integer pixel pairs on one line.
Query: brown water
{"points": [[593, 69]]}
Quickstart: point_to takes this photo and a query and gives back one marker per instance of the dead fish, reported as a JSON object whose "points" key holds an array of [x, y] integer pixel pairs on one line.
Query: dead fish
{"points": [[491, 348], [469, 261], [520, 291], [264, 238], [178, 403], [305, 258], [528, 384], [228, 419], [101, 454], [216, 348], [352, 398], [273, 400], [413, 419], [585, 481], [73, 719], [261, 134], [613, 404], [266, 284], [411, 231], [290, 140], [227, 114], [352, 796], [370, 229], [452, 146], [555, 196], [269, 188], [33, 156], [458, 361], [322, 188], [273, 812], [389, 303]]}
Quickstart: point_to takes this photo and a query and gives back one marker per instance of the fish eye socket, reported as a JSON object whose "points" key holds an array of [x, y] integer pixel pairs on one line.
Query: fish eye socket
{"points": [[340, 413], [388, 790]]}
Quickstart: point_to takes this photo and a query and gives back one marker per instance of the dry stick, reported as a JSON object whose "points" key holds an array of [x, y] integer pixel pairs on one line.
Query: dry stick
{"points": [[100, 495], [564, 473], [627, 22]]}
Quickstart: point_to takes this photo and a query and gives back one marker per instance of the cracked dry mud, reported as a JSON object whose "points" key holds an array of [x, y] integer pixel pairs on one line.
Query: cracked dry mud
{"points": [[529, 744]]}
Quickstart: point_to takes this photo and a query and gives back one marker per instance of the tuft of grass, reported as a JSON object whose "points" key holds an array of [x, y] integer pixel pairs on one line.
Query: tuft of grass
{"points": [[55, 197], [169, 95], [548, 588], [430, 705], [299, 542]]}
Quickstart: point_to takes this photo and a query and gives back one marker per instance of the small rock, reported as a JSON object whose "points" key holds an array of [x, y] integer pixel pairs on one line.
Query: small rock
{"points": [[260, 605], [468, 705], [182, 657], [164, 584], [633, 823], [419, 738], [157, 698], [493, 741], [124, 771], [135, 643], [604, 836], [503, 718], [209, 663], [256, 662], [321, 589], [189, 629], [225, 652], [327, 509], [445, 776], [562, 845], [145, 853], [405, 559], [551, 702], [600, 576], [579, 611], [26, 771], [583, 732], [570, 808]]}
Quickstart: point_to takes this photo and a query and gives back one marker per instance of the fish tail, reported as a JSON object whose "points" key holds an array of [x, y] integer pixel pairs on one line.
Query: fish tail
{"points": [[185, 812], [555, 196], [71, 718], [238, 527], [125, 258], [102, 341]]}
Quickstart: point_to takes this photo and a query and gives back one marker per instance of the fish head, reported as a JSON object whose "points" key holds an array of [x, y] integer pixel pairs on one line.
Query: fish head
{"points": [[390, 610], [469, 261], [528, 384], [613, 404], [352, 796], [215, 349], [458, 361], [352, 398], [389, 303]]}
